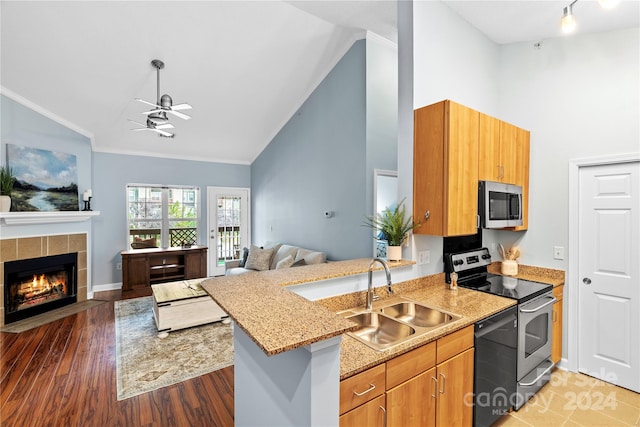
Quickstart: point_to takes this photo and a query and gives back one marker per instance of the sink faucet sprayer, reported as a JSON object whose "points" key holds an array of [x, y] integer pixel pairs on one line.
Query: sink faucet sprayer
{"points": [[370, 286]]}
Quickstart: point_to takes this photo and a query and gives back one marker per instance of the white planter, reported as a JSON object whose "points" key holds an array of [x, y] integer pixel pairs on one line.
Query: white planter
{"points": [[394, 253], [5, 203], [509, 267]]}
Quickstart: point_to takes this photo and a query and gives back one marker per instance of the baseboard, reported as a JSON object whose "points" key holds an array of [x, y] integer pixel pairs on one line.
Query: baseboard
{"points": [[107, 287]]}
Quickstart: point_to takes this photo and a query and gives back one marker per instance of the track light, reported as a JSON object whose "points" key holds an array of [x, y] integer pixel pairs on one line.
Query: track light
{"points": [[568, 20]]}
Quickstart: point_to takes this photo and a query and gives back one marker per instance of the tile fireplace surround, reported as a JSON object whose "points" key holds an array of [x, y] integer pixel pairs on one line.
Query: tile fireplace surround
{"points": [[33, 247]]}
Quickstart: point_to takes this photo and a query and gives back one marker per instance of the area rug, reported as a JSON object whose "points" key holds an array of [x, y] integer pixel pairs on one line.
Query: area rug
{"points": [[50, 316], [145, 362]]}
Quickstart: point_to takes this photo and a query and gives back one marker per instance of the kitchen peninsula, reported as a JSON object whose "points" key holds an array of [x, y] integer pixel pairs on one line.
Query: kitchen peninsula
{"points": [[291, 353]]}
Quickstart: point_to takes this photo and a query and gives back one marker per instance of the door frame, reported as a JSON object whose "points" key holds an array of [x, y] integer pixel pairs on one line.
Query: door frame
{"points": [[572, 276], [211, 191]]}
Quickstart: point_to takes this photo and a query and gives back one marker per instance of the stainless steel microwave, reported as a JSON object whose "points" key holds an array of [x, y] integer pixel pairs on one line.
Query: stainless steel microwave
{"points": [[499, 204]]}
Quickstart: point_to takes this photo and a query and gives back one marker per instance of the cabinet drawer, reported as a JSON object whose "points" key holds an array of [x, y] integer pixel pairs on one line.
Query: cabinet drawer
{"points": [[410, 364], [361, 388], [454, 343]]}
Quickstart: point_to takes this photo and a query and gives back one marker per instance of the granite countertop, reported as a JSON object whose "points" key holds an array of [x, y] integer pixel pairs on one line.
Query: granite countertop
{"points": [[276, 319], [534, 274], [432, 291]]}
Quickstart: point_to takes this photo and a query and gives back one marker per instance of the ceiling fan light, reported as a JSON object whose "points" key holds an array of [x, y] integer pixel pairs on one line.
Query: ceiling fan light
{"points": [[568, 20], [166, 101], [158, 118], [608, 4]]}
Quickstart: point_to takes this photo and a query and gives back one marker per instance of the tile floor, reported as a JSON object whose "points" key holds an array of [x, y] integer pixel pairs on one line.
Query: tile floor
{"points": [[571, 399]]}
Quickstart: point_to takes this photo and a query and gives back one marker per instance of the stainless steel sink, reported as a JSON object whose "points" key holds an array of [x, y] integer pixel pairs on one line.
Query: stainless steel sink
{"points": [[395, 323], [380, 330], [417, 314]]}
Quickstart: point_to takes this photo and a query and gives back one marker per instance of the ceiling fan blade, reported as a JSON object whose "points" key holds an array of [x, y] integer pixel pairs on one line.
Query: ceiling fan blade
{"points": [[178, 114], [135, 130], [183, 106], [138, 123], [148, 103], [163, 133], [146, 113], [164, 126]]}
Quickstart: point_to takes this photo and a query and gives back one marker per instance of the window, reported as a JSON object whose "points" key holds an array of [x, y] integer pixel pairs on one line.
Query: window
{"points": [[163, 216]]}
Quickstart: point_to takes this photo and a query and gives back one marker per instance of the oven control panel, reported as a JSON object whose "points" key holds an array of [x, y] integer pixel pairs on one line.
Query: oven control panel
{"points": [[462, 261]]}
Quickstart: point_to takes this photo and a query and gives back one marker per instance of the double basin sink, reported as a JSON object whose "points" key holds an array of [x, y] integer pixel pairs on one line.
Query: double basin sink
{"points": [[395, 323]]}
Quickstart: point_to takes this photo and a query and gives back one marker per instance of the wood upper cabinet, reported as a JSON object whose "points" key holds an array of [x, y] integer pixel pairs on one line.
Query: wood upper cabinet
{"points": [[556, 328], [497, 150], [503, 156], [445, 170]]}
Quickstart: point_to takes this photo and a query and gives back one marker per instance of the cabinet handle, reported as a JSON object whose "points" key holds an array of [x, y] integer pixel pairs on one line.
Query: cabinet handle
{"points": [[444, 383], [384, 416], [498, 166], [435, 387], [365, 392], [427, 214]]}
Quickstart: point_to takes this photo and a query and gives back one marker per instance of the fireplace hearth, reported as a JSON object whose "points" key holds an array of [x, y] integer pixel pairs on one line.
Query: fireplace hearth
{"points": [[37, 285]]}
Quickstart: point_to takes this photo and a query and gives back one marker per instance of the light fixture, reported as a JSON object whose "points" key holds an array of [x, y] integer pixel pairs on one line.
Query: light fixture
{"points": [[568, 20]]}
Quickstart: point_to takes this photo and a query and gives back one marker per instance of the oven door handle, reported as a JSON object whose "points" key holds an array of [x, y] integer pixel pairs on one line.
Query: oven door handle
{"points": [[533, 310], [546, 371]]}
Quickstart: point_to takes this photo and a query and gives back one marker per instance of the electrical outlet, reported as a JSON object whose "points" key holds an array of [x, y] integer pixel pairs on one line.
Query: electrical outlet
{"points": [[558, 252], [119, 266], [424, 257]]}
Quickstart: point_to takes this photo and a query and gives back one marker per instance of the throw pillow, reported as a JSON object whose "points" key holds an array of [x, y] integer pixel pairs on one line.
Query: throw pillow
{"points": [[243, 259], [286, 262], [259, 259], [139, 243]]}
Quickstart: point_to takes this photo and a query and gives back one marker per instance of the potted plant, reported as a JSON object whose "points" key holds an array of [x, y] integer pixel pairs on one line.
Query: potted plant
{"points": [[6, 187], [392, 227]]}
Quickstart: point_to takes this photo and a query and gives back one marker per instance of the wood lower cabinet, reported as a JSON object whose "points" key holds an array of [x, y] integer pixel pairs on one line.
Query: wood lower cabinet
{"points": [[556, 328], [429, 386], [372, 414], [144, 267]]}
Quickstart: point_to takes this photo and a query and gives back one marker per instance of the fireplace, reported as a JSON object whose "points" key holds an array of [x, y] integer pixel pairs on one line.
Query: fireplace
{"points": [[36, 285]]}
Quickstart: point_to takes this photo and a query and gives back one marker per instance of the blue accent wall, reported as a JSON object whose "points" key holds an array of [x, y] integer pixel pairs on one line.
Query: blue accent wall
{"points": [[320, 162], [112, 173]]}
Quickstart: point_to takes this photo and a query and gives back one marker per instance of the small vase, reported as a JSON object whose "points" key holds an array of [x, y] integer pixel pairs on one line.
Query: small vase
{"points": [[5, 203], [394, 253]]}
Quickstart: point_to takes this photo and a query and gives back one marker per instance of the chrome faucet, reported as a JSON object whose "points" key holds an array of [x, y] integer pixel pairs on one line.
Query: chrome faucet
{"points": [[370, 285]]}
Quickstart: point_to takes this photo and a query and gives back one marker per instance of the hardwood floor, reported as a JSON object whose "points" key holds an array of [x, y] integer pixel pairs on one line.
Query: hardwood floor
{"points": [[64, 374]]}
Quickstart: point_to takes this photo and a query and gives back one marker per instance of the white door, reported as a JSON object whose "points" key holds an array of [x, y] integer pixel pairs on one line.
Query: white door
{"points": [[228, 222], [609, 273]]}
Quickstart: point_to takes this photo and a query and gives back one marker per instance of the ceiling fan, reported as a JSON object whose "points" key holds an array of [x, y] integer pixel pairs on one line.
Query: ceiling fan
{"points": [[155, 128], [164, 105]]}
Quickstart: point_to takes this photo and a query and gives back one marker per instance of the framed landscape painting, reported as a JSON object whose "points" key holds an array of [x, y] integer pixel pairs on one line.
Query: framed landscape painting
{"points": [[45, 180]]}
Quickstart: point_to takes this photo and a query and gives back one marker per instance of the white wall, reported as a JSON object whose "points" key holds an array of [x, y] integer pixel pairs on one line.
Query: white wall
{"points": [[580, 97]]}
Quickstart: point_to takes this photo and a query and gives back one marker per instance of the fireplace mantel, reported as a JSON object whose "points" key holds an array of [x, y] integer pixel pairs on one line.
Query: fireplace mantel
{"points": [[32, 218]]}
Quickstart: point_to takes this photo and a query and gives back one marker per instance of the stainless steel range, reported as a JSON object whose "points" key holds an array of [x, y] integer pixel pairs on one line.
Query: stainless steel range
{"points": [[534, 317]]}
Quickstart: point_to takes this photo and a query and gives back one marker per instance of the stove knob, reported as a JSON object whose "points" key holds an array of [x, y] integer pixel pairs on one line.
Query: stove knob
{"points": [[458, 262], [486, 256]]}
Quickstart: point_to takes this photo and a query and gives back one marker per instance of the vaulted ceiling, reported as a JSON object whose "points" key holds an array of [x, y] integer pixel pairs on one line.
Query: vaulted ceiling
{"points": [[244, 66]]}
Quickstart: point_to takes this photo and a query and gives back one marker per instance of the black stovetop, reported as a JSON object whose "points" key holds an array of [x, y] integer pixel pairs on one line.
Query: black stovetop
{"points": [[505, 286]]}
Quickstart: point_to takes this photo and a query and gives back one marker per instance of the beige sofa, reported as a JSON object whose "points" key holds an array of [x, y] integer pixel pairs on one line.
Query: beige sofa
{"points": [[273, 257]]}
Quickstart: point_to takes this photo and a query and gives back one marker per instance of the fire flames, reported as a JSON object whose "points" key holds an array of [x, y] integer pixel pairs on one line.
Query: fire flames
{"points": [[40, 289]]}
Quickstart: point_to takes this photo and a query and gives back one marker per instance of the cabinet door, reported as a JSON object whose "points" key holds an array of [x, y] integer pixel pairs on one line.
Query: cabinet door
{"points": [[195, 263], [413, 403], [522, 172], [556, 328], [135, 271], [369, 414], [455, 391], [461, 168], [508, 152], [489, 149]]}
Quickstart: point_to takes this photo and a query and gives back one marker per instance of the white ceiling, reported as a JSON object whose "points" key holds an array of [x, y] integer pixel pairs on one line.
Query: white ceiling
{"points": [[244, 66]]}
